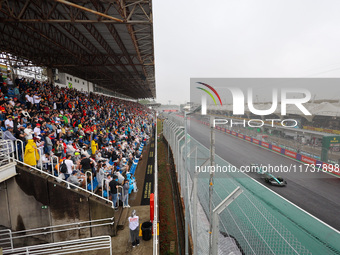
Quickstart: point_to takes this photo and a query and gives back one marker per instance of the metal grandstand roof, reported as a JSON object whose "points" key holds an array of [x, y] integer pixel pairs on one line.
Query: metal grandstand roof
{"points": [[107, 42]]}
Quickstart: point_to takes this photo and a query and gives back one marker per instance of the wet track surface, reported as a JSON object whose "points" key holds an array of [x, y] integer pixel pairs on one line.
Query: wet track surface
{"points": [[316, 192]]}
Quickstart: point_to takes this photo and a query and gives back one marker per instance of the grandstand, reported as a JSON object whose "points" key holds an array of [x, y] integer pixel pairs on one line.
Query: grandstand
{"points": [[107, 44], [72, 132], [325, 114], [307, 137]]}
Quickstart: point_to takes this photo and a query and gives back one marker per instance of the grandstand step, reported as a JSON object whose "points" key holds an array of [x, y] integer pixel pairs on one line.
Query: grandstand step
{"points": [[122, 218]]}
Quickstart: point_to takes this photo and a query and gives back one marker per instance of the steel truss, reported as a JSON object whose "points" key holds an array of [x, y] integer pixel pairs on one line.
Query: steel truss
{"points": [[108, 42]]}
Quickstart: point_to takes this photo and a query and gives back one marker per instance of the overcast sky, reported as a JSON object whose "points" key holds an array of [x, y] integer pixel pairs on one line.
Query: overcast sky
{"points": [[243, 38]]}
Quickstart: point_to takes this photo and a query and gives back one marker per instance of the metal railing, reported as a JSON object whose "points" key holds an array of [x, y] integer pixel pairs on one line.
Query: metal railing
{"points": [[6, 241], [91, 175], [7, 155], [7, 236], [6, 152], [19, 145], [67, 247], [155, 218]]}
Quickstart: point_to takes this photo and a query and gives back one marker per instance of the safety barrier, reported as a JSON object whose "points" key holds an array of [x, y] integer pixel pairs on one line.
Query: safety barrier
{"points": [[7, 148], [7, 236], [260, 221], [6, 241], [67, 247], [6, 156], [6, 152], [155, 216]]}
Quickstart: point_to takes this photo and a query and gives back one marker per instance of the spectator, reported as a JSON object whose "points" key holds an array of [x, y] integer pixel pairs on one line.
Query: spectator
{"points": [[114, 191], [1, 81], [134, 228], [94, 146], [73, 118], [4, 89], [45, 158], [39, 143], [69, 164], [100, 174], [85, 164], [126, 188], [9, 122], [46, 161], [16, 91], [31, 153], [124, 167], [20, 135], [74, 179], [36, 100], [8, 135], [37, 129], [58, 148], [29, 101]]}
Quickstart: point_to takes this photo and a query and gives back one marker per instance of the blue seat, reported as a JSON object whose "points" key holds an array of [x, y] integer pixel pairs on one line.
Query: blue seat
{"points": [[131, 183], [133, 168], [95, 184]]}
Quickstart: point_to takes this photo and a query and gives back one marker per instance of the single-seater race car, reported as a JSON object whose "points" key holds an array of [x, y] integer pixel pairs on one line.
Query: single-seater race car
{"points": [[268, 177]]}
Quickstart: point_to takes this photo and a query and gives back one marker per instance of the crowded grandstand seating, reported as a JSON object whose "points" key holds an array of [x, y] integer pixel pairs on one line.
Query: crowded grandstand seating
{"points": [[84, 138]]}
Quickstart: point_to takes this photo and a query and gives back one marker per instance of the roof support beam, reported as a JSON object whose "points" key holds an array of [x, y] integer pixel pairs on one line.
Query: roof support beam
{"points": [[116, 36], [51, 33], [72, 21], [88, 10], [24, 9]]}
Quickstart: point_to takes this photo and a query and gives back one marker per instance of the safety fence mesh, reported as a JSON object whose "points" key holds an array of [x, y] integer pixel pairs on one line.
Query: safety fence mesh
{"points": [[250, 224]]}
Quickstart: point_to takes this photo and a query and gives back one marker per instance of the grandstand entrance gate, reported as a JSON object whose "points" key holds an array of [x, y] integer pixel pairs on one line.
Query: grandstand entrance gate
{"points": [[327, 143]]}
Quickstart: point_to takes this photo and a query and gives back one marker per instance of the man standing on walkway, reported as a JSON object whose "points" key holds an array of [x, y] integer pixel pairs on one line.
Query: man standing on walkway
{"points": [[134, 228]]}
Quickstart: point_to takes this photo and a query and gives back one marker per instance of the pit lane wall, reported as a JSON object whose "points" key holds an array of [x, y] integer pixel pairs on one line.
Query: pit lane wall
{"points": [[333, 169]]}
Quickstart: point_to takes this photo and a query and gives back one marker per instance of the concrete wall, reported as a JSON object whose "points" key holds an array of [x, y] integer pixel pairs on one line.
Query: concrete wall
{"points": [[23, 201], [77, 83]]}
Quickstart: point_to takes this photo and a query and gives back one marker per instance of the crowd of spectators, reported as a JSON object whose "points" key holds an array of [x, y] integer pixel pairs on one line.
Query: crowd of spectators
{"points": [[86, 131]]}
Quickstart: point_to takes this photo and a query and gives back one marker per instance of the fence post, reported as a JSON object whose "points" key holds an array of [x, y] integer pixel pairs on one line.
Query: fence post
{"points": [[215, 221], [194, 201], [211, 180]]}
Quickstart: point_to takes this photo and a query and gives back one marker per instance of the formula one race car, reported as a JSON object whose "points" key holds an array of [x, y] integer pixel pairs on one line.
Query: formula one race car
{"points": [[268, 177]]}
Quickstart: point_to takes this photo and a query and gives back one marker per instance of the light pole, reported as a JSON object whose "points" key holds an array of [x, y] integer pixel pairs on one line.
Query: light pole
{"points": [[186, 230], [211, 181], [186, 200]]}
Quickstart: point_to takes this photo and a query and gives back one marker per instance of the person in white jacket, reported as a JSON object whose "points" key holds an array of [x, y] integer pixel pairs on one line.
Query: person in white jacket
{"points": [[134, 228]]}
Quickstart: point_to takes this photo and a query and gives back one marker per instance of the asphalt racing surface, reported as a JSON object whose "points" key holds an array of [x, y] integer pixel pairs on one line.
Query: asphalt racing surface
{"points": [[317, 193]]}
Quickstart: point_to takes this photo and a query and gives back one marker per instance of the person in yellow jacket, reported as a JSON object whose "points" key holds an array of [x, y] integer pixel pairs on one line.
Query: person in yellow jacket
{"points": [[94, 146], [31, 153]]}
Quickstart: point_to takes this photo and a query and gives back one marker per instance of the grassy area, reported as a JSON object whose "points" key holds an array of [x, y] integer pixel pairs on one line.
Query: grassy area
{"points": [[168, 231]]}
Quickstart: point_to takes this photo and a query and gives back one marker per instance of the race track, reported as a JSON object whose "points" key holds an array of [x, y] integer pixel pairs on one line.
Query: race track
{"points": [[317, 193]]}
